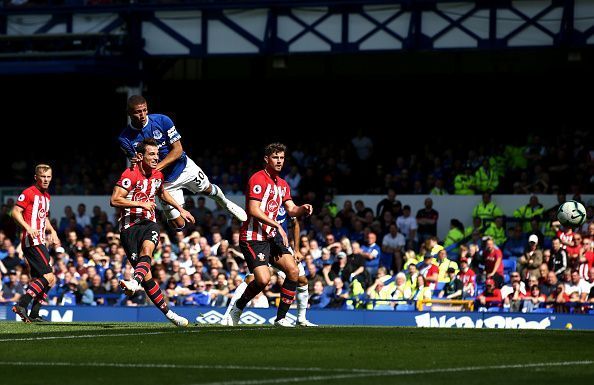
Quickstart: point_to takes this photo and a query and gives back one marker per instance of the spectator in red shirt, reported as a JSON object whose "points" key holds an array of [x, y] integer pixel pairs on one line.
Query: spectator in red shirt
{"points": [[493, 257], [491, 296]]}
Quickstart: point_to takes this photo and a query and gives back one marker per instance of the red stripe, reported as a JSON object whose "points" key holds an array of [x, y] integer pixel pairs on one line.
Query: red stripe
{"points": [[148, 266], [287, 292], [159, 298], [153, 290], [251, 250], [39, 289], [42, 255]]}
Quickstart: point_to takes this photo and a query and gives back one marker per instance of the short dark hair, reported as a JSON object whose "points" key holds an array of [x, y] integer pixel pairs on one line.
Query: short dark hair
{"points": [[274, 148], [135, 100], [146, 142]]}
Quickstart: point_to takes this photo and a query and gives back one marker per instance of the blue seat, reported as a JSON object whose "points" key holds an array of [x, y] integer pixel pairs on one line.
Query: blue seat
{"points": [[543, 310], [405, 307], [509, 265], [495, 309], [439, 286]]}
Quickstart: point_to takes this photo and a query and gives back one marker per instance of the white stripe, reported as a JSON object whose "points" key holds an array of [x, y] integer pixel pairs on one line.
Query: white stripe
{"points": [[185, 366], [350, 373], [151, 214], [127, 212], [260, 226], [33, 221], [388, 373], [133, 334]]}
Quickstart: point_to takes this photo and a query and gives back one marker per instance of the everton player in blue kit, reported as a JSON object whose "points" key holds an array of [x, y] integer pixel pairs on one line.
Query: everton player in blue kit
{"points": [[179, 170]]}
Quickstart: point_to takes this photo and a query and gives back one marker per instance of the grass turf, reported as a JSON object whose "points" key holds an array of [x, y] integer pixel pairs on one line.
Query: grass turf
{"points": [[157, 353]]}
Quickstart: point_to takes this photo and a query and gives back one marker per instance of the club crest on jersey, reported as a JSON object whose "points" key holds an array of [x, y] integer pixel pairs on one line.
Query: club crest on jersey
{"points": [[261, 257], [21, 198], [157, 134], [41, 213], [257, 189], [272, 206]]}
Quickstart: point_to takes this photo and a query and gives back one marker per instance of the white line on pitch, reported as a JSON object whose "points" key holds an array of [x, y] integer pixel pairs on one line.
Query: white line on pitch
{"points": [[387, 373]]}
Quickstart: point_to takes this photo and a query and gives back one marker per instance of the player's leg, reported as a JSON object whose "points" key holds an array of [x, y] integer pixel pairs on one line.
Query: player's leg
{"points": [[199, 183], [38, 259], [286, 263], [239, 290], [173, 216], [38, 302], [302, 298], [147, 235], [257, 254]]}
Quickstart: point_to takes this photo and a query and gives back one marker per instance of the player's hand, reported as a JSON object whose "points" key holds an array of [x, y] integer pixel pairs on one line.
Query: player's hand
{"points": [[53, 238], [134, 160], [33, 233], [298, 256], [150, 206], [187, 216], [308, 209], [283, 235]]}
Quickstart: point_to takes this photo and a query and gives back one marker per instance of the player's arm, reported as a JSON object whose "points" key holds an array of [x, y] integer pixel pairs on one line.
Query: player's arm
{"points": [[119, 200], [296, 240], [128, 149], [167, 198], [175, 151], [17, 214], [53, 238], [255, 211], [296, 211]]}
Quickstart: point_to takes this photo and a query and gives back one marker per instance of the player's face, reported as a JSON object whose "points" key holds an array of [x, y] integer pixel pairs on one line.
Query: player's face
{"points": [[275, 161], [138, 115], [43, 179], [151, 156]]}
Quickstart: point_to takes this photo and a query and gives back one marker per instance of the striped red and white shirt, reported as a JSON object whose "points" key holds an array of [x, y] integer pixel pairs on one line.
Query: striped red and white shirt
{"points": [[271, 193], [140, 189], [36, 206]]}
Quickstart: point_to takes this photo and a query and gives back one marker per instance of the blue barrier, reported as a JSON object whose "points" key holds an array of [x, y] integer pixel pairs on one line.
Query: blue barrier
{"points": [[253, 316]]}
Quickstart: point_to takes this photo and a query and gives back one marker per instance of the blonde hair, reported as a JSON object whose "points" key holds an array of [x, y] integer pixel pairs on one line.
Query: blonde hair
{"points": [[41, 168]]}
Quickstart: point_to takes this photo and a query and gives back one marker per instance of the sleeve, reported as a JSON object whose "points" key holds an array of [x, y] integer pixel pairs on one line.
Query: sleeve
{"points": [[24, 199], [127, 146], [257, 187], [127, 180], [169, 129]]}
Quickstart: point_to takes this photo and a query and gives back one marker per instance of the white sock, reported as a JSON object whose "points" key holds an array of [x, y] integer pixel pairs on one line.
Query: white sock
{"points": [[302, 298], [238, 293], [216, 193]]}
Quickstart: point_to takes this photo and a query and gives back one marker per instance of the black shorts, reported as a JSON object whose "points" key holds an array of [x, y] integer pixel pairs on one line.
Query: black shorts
{"points": [[260, 253], [278, 240], [38, 258], [134, 236]]}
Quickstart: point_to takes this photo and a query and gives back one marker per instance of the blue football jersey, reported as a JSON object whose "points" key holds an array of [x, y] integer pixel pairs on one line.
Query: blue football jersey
{"points": [[162, 129], [281, 218]]}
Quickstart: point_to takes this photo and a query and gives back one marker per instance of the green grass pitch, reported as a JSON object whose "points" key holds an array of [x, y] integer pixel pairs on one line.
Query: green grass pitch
{"points": [[157, 353]]}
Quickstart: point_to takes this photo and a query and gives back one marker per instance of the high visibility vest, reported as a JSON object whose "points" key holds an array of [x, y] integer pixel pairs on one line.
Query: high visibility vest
{"points": [[464, 184]]}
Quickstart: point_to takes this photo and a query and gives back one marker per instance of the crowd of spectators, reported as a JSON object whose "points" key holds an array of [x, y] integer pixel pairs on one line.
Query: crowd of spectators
{"points": [[354, 257], [539, 164]]}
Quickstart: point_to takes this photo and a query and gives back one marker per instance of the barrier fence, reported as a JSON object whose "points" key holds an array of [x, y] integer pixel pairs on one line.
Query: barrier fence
{"points": [[256, 316]]}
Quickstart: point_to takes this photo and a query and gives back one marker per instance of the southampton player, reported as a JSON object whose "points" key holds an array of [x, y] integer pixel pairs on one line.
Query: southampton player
{"points": [[179, 170], [266, 192], [31, 212], [302, 284], [134, 194]]}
